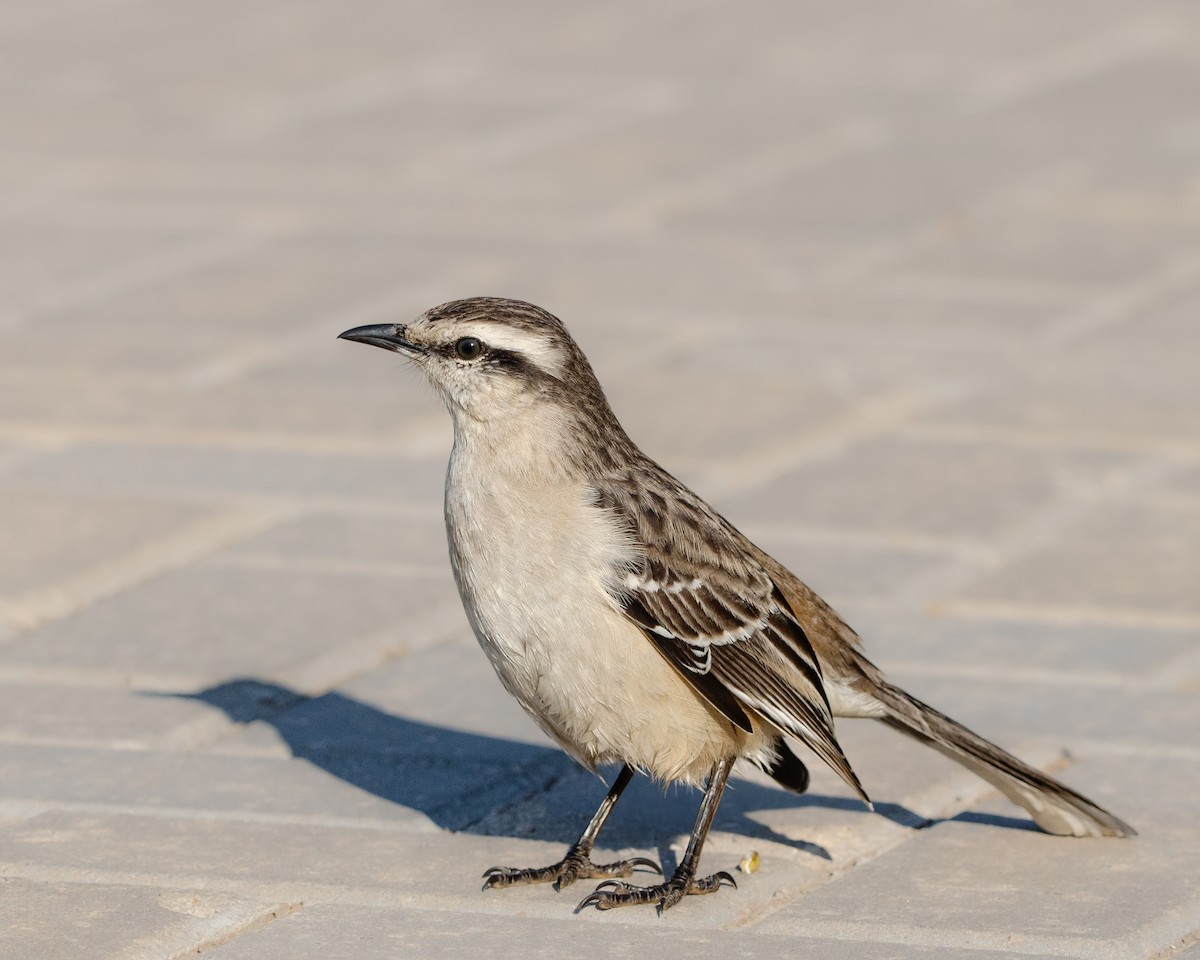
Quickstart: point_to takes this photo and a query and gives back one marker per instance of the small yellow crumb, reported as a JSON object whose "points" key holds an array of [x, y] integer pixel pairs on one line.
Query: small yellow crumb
{"points": [[749, 863]]}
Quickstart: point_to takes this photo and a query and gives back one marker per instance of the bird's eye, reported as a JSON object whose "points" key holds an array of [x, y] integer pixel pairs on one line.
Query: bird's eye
{"points": [[469, 348]]}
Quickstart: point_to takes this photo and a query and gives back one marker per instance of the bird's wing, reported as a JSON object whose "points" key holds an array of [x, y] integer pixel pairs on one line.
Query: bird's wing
{"points": [[712, 610]]}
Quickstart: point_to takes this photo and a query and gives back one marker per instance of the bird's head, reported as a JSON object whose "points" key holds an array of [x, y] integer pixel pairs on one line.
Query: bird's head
{"points": [[491, 358]]}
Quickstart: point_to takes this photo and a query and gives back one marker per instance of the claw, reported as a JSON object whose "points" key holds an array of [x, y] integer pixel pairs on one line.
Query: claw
{"points": [[492, 871], [644, 862], [493, 881], [593, 899], [725, 875]]}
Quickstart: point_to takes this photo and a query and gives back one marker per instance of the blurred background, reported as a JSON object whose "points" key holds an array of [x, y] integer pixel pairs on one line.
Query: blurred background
{"points": [[910, 291]]}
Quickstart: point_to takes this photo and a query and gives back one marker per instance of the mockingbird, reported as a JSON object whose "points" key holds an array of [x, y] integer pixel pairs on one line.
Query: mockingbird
{"points": [[632, 621]]}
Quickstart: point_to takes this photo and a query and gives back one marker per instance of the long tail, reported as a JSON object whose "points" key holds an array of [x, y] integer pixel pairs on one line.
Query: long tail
{"points": [[1054, 807]]}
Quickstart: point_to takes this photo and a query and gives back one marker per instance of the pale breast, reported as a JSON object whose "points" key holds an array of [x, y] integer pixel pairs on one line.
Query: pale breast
{"points": [[534, 565], [537, 566]]}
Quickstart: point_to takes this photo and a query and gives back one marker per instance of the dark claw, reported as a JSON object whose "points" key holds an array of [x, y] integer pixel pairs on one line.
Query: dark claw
{"points": [[614, 885], [592, 900], [649, 864], [492, 871], [724, 875]]}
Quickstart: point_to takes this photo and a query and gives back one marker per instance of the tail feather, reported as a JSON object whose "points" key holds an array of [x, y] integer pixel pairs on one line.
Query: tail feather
{"points": [[1055, 808], [787, 769]]}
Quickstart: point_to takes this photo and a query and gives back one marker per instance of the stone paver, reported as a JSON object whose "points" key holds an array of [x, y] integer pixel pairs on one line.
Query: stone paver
{"points": [[909, 290], [367, 933], [65, 537], [1011, 893], [102, 920]]}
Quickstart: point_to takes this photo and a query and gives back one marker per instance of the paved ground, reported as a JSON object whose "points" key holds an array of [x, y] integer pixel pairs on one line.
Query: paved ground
{"points": [[912, 291]]}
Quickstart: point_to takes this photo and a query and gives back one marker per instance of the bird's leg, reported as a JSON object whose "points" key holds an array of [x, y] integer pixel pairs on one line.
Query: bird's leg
{"points": [[617, 893], [578, 861]]}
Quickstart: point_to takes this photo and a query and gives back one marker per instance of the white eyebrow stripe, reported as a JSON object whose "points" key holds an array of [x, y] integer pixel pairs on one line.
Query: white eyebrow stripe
{"points": [[540, 350]]}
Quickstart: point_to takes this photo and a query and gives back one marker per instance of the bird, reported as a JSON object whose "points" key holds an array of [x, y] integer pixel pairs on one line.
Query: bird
{"points": [[632, 621]]}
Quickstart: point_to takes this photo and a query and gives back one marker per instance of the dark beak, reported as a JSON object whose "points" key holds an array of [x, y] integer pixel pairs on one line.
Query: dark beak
{"points": [[390, 336]]}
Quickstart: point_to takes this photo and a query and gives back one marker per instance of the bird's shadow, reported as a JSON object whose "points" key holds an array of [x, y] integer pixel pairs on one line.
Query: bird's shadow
{"points": [[473, 783]]}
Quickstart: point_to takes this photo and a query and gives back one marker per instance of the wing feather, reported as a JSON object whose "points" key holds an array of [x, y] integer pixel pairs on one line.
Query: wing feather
{"points": [[710, 607], [683, 660]]}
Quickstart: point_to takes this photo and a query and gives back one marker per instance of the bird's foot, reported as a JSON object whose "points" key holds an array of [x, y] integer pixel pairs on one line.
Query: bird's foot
{"points": [[617, 893], [576, 865]]}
